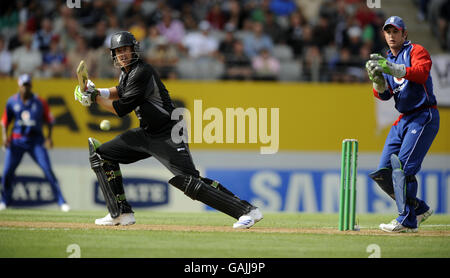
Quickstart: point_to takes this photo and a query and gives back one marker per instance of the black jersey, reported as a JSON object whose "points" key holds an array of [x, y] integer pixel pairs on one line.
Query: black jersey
{"points": [[142, 90]]}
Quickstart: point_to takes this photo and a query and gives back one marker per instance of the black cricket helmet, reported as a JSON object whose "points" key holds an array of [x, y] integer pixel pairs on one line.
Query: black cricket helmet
{"points": [[120, 39]]}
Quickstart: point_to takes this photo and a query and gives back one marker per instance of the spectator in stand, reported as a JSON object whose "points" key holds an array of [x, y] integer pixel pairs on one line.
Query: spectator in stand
{"points": [[247, 10], [54, 60], [283, 7], [367, 20], [265, 66], [237, 65], [16, 40], [25, 59], [354, 40], [294, 34], [200, 8], [234, 15], [113, 27], [348, 68], [43, 37], [364, 55], [163, 57], [364, 14], [156, 15], [188, 17], [273, 29], [379, 45], [112, 23], [307, 38], [341, 23], [33, 16], [201, 44], [216, 17], [133, 12], [5, 59], [368, 35], [312, 65], [103, 67], [69, 37], [258, 12], [150, 39], [10, 15], [80, 52], [257, 41], [227, 44], [329, 9], [323, 33], [90, 13], [138, 29], [99, 37], [170, 28], [61, 17]]}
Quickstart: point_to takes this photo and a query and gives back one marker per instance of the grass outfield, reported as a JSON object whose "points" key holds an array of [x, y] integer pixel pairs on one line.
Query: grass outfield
{"points": [[47, 234]]}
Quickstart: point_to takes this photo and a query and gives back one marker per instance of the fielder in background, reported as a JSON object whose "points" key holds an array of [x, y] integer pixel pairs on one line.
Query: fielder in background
{"points": [[141, 90], [404, 75], [29, 113]]}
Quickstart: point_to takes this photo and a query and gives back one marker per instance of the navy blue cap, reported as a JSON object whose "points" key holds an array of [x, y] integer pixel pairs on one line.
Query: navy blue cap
{"points": [[395, 21], [24, 79]]}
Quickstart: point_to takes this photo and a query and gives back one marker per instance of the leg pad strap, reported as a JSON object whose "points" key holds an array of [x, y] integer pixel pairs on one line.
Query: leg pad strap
{"points": [[222, 201]]}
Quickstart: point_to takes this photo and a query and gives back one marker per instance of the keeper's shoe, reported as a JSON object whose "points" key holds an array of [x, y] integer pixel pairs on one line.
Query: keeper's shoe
{"points": [[396, 227], [123, 219], [424, 216], [249, 219]]}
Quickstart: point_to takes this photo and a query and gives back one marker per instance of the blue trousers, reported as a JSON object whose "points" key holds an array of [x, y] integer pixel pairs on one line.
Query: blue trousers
{"points": [[410, 138], [14, 155]]}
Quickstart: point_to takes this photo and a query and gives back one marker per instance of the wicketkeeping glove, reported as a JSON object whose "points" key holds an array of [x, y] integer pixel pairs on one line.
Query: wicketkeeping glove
{"points": [[376, 76], [382, 64], [374, 71]]}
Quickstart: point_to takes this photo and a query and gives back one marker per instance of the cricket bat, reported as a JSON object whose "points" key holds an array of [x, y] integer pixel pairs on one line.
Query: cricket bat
{"points": [[82, 76]]}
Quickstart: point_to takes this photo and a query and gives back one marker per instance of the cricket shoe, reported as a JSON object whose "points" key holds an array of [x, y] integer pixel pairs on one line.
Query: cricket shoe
{"points": [[424, 216], [249, 219], [2, 206], [396, 227], [124, 219], [65, 208]]}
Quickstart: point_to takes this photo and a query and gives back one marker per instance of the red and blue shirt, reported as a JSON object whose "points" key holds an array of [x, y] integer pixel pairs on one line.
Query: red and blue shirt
{"points": [[415, 90], [28, 117]]}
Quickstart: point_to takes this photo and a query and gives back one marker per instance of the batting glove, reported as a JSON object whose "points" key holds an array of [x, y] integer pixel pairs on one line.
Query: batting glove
{"points": [[92, 93], [86, 99], [90, 84], [381, 64]]}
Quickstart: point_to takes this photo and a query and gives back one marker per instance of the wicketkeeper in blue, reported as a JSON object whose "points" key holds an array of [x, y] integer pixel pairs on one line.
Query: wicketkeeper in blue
{"points": [[404, 75], [28, 113]]}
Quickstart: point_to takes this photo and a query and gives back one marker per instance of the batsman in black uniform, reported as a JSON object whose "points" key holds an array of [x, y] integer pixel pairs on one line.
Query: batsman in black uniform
{"points": [[140, 89]]}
